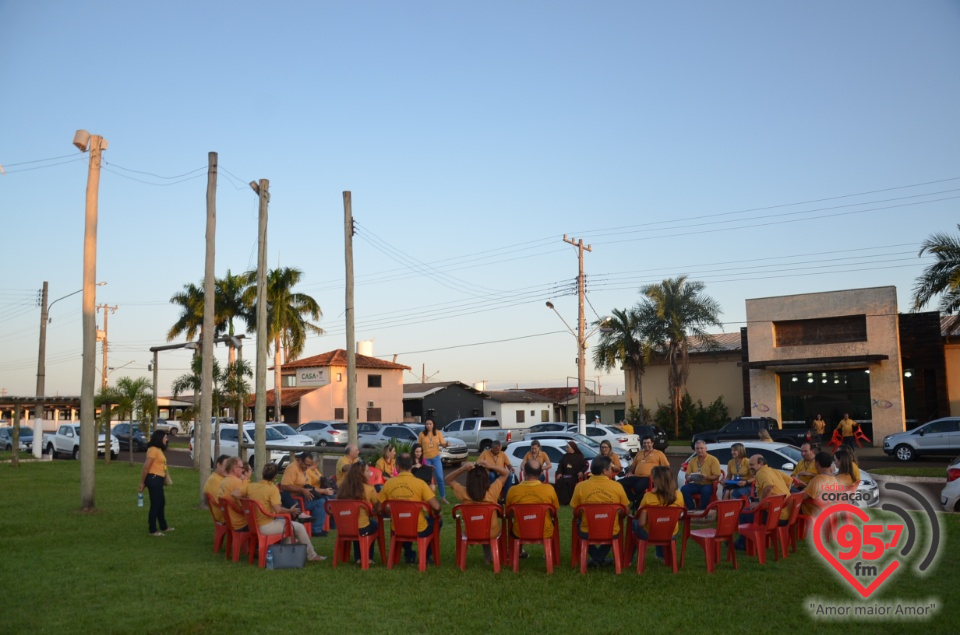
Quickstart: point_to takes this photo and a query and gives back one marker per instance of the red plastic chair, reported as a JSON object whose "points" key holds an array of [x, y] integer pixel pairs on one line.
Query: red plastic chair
{"points": [[403, 528], [788, 535], [712, 538], [474, 524], [805, 521], [526, 525], [713, 493], [347, 515], [601, 519], [221, 530], [376, 476], [262, 541], [237, 539], [663, 521], [836, 440], [860, 436], [762, 532]]}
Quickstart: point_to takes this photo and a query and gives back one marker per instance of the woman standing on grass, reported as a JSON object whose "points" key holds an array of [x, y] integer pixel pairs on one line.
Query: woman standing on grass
{"points": [[153, 478], [432, 440]]}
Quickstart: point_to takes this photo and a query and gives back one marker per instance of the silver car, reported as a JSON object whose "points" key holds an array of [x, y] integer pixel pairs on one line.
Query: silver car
{"points": [[325, 432], [940, 436]]}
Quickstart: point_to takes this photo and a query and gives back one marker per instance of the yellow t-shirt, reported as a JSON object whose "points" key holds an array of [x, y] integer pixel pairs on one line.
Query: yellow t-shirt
{"points": [[231, 486], [534, 492], [343, 464], [268, 495], [743, 471], [846, 427], [492, 496], [314, 477], [542, 457], [615, 463], [767, 476], [407, 487], [389, 468], [369, 495], [212, 487], [599, 489], [645, 462], [819, 425], [294, 476], [814, 491], [709, 467], [805, 466], [499, 460], [652, 498], [626, 427], [431, 444], [159, 465]]}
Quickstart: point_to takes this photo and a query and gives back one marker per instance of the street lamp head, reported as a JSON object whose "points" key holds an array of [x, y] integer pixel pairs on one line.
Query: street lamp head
{"points": [[100, 284], [81, 140], [549, 304]]}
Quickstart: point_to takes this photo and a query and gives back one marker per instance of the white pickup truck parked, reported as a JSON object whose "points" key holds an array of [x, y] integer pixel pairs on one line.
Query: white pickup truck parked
{"points": [[478, 433], [66, 441]]}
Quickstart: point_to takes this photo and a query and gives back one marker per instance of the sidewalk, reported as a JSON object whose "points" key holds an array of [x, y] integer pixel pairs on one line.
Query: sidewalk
{"points": [[682, 448]]}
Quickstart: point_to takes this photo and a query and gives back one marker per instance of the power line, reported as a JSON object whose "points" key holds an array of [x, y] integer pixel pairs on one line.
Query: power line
{"points": [[448, 348]]}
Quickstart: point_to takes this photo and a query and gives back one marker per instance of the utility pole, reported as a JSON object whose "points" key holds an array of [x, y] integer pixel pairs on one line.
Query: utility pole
{"points": [[96, 144], [102, 336], [41, 375], [206, 352], [260, 404], [581, 340], [348, 231]]}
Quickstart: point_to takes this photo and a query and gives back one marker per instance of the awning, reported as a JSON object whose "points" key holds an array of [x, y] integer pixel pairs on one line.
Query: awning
{"points": [[817, 363]]}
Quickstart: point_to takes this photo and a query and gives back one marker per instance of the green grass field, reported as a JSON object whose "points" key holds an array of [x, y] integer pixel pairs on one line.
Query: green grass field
{"points": [[903, 470], [69, 572]]}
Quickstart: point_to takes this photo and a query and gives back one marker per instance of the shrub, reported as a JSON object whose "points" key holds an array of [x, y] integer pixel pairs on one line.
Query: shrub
{"points": [[694, 417]]}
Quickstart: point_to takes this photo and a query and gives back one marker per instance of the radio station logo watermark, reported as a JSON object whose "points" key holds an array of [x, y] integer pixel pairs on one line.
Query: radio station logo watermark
{"points": [[868, 549]]}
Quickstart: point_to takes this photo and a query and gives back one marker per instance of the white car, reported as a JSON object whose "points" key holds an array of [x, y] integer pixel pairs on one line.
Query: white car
{"points": [[617, 438], [554, 449], [950, 496], [783, 457], [295, 439], [229, 443], [325, 432], [581, 440]]}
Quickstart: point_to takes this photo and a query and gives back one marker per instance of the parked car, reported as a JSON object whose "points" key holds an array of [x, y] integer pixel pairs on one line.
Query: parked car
{"points": [[783, 457], [325, 432], [172, 428], [940, 436], [295, 439], [230, 443], [950, 496], [655, 432], [26, 439], [617, 438], [478, 433], [122, 432], [66, 440], [555, 449], [547, 427], [580, 440], [455, 454], [748, 429]]}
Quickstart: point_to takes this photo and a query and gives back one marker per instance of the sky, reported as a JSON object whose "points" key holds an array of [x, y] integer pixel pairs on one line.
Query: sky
{"points": [[763, 148]]}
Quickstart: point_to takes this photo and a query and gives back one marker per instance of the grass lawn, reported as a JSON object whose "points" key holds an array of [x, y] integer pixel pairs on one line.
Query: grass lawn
{"points": [[68, 572], [903, 470]]}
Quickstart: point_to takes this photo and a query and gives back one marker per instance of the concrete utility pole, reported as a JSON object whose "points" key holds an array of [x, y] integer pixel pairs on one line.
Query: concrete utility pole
{"points": [[41, 375], [96, 144], [260, 404], [581, 339], [206, 364], [348, 231], [107, 310]]}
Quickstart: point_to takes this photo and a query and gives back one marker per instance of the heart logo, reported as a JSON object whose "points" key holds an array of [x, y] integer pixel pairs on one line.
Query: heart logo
{"points": [[832, 515]]}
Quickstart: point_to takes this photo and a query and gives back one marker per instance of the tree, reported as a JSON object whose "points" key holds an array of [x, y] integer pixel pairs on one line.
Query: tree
{"points": [[287, 325], [230, 303], [194, 381], [622, 342], [133, 399], [672, 312], [190, 321], [942, 278]]}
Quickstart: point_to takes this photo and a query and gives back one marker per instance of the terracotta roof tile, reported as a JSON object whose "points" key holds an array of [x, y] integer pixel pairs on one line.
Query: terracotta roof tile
{"points": [[288, 397], [339, 358]]}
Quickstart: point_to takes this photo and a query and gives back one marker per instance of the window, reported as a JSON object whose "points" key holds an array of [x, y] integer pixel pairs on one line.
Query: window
{"points": [[374, 381], [520, 416], [339, 376], [489, 423], [544, 415], [453, 427], [338, 413], [470, 424], [373, 414], [289, 381], [834, 330]]}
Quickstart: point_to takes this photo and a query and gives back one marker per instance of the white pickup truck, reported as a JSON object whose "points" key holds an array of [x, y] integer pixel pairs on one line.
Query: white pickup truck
{"points": [[66, 441], [478, 433]]}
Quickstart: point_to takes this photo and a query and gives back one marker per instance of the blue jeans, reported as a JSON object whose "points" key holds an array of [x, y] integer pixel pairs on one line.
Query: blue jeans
{"points": [[641, 533], [313, 507], [408, 553], [158, 502], [437, 464], [511, 481], [635, 486], [366, 531], [705, 491], [738, 492]]}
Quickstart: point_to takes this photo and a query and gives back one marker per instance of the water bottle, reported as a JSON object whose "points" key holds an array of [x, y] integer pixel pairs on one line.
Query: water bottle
{"points": [[269, 559], [139, 499]]}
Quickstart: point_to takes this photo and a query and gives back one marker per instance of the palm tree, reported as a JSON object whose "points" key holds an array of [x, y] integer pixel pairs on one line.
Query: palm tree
{"points": [[287, 326], [194, 381], [190, 322], [622, 342], [132, 396], [942, 278], [230, 304], [236, 387], [672, 312]]}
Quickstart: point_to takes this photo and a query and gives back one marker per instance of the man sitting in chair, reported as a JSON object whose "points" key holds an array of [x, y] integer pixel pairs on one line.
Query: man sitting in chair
{"points": [[295, 482], [599, 488], [407, 487], [266, 493], [702, 472]]}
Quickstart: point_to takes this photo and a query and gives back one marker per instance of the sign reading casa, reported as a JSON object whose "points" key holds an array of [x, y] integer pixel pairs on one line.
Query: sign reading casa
{"points": [[313, 377]]}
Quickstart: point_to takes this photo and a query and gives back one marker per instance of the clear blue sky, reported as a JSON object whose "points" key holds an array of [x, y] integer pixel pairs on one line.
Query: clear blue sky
{"points": [[473, 136]]}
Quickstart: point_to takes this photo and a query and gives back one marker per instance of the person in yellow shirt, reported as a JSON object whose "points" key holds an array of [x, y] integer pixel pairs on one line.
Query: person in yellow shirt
{"points": [[606, 449], [626, 427], [295, 481], [806, 469], [536, 454], [531, 491], [350, 455], [233, 488], [497, 458], [406, 486], [356, 486], [599, 488], [847, 427], [268, 495], [702, 471], [638, 472], [846, 475], [479, 489], [153, 478], [432, 440], [769, 483], [819, 427], [664, 494], [738, 469], [212, 486], [823, 482], [387, 464]]}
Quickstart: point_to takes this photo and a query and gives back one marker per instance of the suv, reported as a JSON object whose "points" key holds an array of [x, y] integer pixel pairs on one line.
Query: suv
{"points": [[122, 432], [748, 429], [940, 436], [325, 432]]}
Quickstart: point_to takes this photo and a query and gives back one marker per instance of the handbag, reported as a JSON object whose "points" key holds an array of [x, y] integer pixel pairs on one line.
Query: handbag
{"points": [[288, 556], [167, 480]]}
